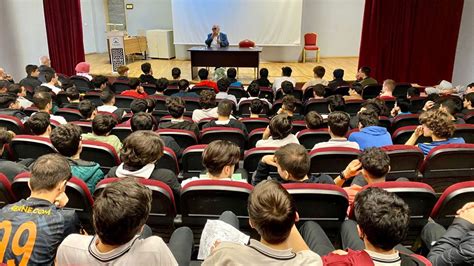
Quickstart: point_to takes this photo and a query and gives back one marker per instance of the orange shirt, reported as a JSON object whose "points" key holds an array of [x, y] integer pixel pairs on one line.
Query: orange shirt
{"points": [[134, 94]]}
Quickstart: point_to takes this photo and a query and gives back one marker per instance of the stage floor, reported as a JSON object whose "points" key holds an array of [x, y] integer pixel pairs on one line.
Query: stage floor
{"points": [[162, 68]]}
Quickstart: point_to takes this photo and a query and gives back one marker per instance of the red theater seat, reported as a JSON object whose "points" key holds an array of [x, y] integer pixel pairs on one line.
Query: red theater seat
{"points": [[452, 199], [405, 160], [6, 194], [331, 161]]}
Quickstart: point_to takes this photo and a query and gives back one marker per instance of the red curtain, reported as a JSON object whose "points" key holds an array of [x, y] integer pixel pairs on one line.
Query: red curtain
{"points": [[64, 30], [410, 40]]}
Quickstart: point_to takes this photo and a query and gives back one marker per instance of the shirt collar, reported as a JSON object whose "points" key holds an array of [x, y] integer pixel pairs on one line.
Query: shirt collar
{"points": [[111, 255], [286, 254]]}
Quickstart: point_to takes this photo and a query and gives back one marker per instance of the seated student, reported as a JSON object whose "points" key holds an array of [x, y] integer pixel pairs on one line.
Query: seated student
{"points": [[161, 85], [183, 86], [469, 88], [355, 93], [278, 133], [272, 213], [82, 69], [147, 76], [402, 107], [141, 150], [73, 96], [374, 104], [137, 106], [363, 77], [66, 139], [468, 103], [119, 216], [437, 125], [44, 102], [137, 90], [176, 74], [231, 76], [8, 168], [452, 106], [100, 83], [32, 74], [336, 103], [207, 100], [102, 125], [205, 81], [145, 121], [219, 73], [41, 215], [286, 76], [254, 90], [39, 125], [338, 80], [373, 164], [287, 88], [288, 107], [313, 120], [256, 108], [263, 80], [292, 163], [123, 73], [382, 220], [20, 91], [370, 134], [176, 108], [87, 110], [107, 97], [223, 86], [387, 90], [9, 105], [52, 82], [338, 125], [318, 91], [219, 158], [319, 72], [224, 111], [413, 92]]}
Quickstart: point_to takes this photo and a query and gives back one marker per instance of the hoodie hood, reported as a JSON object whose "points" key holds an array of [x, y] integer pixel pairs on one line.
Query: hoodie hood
{"points": [[375, 130], [144, 172]]}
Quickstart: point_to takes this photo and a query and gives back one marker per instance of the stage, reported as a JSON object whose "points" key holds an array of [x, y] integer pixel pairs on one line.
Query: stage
{"points": [[162, 68]]}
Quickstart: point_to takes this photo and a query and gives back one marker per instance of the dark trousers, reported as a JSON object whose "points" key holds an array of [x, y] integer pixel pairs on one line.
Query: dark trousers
{"points": [[350, 238], [431, 233], [181, 245]]}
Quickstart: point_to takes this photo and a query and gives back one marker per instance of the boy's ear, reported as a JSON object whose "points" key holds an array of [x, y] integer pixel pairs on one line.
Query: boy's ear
{"points": [[251, 224], [297, 217]]}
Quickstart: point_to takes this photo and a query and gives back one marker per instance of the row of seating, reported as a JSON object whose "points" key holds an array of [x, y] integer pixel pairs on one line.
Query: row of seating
{"points": [[207, 199]]}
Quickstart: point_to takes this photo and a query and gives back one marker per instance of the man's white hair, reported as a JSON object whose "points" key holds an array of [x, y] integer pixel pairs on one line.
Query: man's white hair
{"points": [[43, 59]]}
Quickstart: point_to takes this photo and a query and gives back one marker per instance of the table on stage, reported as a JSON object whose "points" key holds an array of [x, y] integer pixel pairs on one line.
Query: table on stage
{"points": [[202, 56]]}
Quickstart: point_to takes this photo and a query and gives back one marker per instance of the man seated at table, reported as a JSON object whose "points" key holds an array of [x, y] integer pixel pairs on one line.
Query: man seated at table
{"points": [[217, 38]]}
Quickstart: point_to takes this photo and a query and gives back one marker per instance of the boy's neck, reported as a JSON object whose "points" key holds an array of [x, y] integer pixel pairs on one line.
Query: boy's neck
{"points": [[104, 248], [281, 246], [222, 118], [49, 196], [371, 247]]}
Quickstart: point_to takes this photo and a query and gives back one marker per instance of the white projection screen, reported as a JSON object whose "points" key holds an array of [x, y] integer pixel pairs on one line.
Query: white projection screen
{"points": [[266, 22]]}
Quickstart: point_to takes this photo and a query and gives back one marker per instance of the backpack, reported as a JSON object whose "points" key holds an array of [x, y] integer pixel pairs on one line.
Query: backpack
{"points": [[361, 257]]}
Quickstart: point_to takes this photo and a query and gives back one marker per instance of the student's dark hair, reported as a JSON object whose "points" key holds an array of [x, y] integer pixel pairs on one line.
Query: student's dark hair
{"points": [[413, 92], [224, 108], [207, 99], [138, 105], [203, 74], [319, 71], [183, 84], [272, 211], [432, 97], [66, 139], [142, 121], [162, 84], [368, 118], [73, 93], [253, 89], [382, 216], [404, 104], [15, 89], [280, 126], [49, 75], [263, 73], [289, 103], [452, 104], [175, 72], [218, 154], [141, 148], [66, 84], [175, 106], [48, 171], [5, 138], [469, 97], [231, 73], [294, 159], [6, 99], [471, 85], [107, 95], [146, 68], [86, 108], [256, 106], [43, 89], [151, 104], [379, 106], [30, 69], [287, 87], [439, 122], [338, 123], [134, 83], [223, 84], [4, 84], [286, 71], [338, 73], [319, 90], [41, 99], [103, 124], [336, 103], [38, 123], [98, 81], [313, 120], [375, 161], [366, 70], [120, 211]]}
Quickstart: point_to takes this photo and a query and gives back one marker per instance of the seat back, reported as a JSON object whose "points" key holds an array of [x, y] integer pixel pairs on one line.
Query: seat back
{"points": [[26, 146], [254, 123], [309, 137], [234, 135], [401, 89], [342, 90], [191, 104], [198, 89], [405, 160], [266, 93], [12, 123], [149, 88], [120, 86], [318, 105], [244, 107], [160, 102], [298, 93], [353, 106], [61, 98], [331, 161], [469, 118], [122, 132], [310, 38], [452, 199], [123, 101], [82, 83], [254, 136], [417, 104], [192, 160], [102, 153], [238, 92], [6, 194], [253, 156], [94, 97], [371, 91], [184, 138], [170, 91], [404, 120], [402, 134], [168, 161], [69, 114], [86, 126], [465, 131], [297, 126]]}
